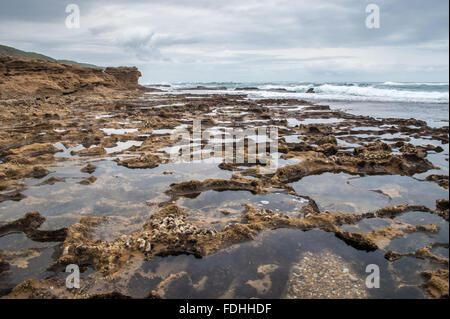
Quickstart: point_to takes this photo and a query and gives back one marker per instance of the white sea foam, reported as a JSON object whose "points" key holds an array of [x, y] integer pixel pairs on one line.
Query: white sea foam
{"points": [[404, 96], [336, 92], [415, 83], [421, 92], [387, 94]]}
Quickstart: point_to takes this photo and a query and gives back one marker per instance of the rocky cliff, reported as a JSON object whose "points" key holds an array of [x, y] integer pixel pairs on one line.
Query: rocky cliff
{"points": [[31, 77]]}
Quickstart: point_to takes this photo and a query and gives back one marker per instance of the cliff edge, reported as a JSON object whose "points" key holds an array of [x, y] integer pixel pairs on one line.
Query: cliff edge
{"points": [[32, 77]]}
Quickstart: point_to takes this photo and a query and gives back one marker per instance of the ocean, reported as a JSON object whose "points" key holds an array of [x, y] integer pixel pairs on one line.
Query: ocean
{"points": [[428, 101]]}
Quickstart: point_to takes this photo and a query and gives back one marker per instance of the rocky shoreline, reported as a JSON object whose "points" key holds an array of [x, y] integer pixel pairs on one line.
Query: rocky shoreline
{"points": [[56, 115]]}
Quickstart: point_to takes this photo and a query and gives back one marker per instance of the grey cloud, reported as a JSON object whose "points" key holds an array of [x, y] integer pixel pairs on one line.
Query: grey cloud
{"points": [[173, 35]]}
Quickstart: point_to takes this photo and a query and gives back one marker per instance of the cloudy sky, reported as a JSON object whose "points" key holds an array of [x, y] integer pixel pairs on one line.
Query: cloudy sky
{"points": [[240, 40]]}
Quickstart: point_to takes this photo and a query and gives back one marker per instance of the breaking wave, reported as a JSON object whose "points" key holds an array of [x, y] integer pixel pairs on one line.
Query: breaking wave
{"points": [[420, 92]]}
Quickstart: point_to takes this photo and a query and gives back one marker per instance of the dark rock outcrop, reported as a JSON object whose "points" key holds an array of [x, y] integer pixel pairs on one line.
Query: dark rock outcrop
{"points": [[29, 225]]}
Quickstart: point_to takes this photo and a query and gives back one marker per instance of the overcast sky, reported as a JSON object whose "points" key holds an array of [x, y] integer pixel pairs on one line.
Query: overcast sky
{"points": [[240, 40]]}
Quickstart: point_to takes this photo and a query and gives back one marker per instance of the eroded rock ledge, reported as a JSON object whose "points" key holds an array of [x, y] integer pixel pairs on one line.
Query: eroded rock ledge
{"points": [[21, 76], [29, 225], [372, 159], [169, 232]]}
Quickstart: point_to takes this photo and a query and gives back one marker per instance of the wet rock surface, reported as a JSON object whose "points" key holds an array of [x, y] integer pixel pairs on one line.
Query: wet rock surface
{"points": [[89, 168], [143, 209], [89, 180], [29, 225]]}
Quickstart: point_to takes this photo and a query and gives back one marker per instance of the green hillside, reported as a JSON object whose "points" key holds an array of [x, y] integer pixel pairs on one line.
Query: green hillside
{"points": [[10, 51]]}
